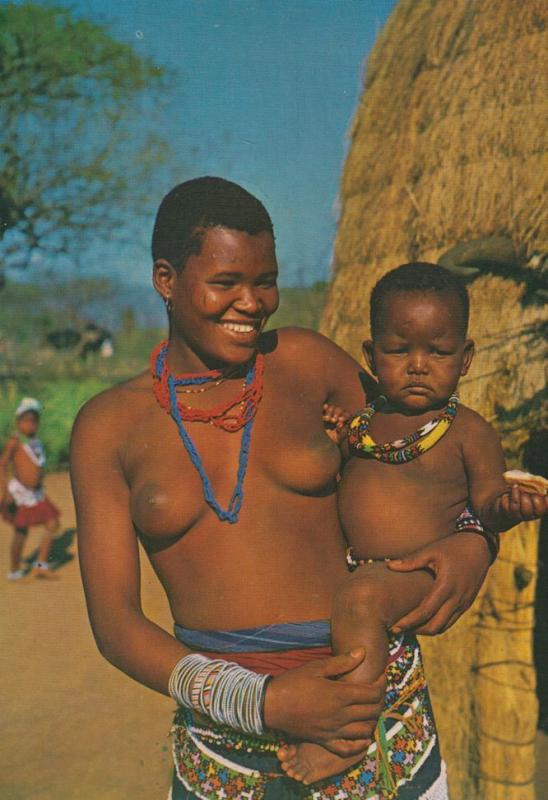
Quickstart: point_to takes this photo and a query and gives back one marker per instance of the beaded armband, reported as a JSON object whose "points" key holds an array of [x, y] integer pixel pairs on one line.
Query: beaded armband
{"points": [[469, 522]]}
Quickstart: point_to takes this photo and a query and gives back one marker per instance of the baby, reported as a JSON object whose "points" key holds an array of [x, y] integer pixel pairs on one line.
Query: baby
{"points": [[417, 458], [22, 500]]}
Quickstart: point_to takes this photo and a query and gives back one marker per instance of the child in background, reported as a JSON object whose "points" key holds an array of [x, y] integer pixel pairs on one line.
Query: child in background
{"points": [[439, 457], [22, 499]]}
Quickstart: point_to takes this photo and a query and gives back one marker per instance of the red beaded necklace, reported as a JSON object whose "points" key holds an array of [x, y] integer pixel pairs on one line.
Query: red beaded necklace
{"points": [[229, 416]]}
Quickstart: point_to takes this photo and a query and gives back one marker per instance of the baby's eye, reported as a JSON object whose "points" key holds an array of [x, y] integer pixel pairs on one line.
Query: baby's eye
{"points": [[223, 282], [438, 352]]}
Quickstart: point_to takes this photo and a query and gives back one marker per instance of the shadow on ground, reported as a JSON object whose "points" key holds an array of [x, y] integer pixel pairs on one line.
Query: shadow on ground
{"points": [[59, 554]]}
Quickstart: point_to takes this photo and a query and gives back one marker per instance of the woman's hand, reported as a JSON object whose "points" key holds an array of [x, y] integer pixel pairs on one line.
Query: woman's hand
{"points": [[459, 563], [308, 704]]}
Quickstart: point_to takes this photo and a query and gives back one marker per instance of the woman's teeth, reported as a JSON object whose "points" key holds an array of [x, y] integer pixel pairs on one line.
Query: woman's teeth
{"points": [[238, 327]]}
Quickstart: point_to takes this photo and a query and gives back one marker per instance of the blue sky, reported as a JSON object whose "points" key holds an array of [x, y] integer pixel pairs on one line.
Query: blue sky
{"points": [[264, 92]]}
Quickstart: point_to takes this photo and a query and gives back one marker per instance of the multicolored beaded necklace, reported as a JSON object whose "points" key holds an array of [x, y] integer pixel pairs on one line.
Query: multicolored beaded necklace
{"points": [[244, 409], [403, 450]]}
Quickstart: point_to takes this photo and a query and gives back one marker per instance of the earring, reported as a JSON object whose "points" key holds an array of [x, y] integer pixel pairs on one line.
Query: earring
{"points": [[168, 304]]}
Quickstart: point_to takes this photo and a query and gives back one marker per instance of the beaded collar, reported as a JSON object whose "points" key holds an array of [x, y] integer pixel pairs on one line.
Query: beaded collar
{"points": [[403, 450]]}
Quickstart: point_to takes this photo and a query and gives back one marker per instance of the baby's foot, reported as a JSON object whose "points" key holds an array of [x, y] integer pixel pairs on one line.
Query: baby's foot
{"points": [[308, 763]]}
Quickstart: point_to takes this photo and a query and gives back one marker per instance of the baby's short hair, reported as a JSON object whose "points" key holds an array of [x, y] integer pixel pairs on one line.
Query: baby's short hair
{"points": [[203, 203], [417, 276]]}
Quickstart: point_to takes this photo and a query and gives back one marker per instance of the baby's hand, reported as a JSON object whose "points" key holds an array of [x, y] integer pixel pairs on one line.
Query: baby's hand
{"points": [[335, 421], [522, 505]]}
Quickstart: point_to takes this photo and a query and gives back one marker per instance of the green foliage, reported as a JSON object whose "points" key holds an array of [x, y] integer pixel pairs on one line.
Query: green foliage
{"points": [[300, 306], [74, 150]]}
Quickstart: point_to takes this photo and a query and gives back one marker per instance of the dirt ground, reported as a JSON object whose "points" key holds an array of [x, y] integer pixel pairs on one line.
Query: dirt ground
{"points": [[73, 726]]}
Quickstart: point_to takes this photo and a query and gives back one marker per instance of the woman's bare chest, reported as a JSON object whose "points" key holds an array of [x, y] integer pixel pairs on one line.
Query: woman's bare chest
{"points": [[172, 478]]}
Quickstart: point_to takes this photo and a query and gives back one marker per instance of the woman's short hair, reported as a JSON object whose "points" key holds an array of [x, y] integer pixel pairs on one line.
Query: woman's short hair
{"points": [[199, 204], [418, 276]]}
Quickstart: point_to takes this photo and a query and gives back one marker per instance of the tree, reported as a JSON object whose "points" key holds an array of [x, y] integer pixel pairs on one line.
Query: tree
{"points": [[73, 161]]}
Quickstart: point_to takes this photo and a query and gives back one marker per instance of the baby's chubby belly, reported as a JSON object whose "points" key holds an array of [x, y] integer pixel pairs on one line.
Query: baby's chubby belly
{"points": [[387, 510]]}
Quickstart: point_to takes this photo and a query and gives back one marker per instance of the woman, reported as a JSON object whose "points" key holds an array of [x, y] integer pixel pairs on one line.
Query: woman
{"points": [[238, 518]]}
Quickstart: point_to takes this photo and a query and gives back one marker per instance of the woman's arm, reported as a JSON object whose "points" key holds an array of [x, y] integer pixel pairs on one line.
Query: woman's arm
{"points": [[109, 557]]}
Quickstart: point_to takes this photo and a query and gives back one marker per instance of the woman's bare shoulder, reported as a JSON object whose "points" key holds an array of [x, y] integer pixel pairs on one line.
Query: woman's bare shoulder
{"points": [[120, 404], [305, 357], [302, 345]]}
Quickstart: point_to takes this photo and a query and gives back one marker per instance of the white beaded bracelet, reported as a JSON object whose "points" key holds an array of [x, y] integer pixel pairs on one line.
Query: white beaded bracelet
{"points": [[224, 691]]}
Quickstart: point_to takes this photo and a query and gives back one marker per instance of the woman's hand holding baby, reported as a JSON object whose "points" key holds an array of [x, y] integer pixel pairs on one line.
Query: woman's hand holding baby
{"points": [[307, 703], [455, 585]]}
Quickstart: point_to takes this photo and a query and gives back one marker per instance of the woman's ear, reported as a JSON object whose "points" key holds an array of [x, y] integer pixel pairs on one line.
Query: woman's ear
{"points": [[468, 355], [163, 278], [367, 350]]}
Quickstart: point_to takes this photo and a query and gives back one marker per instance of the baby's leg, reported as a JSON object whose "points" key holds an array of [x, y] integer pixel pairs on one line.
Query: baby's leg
{"points": [[365, 607]]}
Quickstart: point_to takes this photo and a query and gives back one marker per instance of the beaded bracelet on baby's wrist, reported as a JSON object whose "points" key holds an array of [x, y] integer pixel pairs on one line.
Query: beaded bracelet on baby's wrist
{"points": [[227, 693], [468, 522]]}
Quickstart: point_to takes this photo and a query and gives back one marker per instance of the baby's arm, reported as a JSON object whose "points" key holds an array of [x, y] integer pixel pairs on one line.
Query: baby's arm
{"points": [[498, 507]]}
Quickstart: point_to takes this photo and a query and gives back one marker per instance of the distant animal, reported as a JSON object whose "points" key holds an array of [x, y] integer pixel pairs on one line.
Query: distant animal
{"points": [[95, 340], [64, 338]]}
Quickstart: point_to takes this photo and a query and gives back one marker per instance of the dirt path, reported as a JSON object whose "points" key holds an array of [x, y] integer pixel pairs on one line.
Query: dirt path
{"points": [[77, 729]]}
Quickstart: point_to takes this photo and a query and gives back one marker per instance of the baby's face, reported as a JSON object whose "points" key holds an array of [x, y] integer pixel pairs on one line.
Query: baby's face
{"points": [[419, 352]]}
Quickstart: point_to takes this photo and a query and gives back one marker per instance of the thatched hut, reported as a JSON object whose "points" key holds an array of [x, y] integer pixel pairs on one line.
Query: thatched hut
{"points": [[445, 165]]}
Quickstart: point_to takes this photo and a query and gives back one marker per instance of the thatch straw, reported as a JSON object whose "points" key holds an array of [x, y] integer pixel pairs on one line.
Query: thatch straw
{"points": [[448, 147]]}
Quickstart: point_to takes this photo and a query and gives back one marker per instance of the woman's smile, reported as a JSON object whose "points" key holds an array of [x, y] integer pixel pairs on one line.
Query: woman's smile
{"points": [[243, 328]]}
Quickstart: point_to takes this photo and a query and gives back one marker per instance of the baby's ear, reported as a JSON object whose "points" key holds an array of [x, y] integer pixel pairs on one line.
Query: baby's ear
{"points": [[469, 347], [367, 350]]}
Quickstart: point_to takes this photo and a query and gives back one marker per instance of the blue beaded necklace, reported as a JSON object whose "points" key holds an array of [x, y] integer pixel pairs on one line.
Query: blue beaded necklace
{"points": [[231, 513]]}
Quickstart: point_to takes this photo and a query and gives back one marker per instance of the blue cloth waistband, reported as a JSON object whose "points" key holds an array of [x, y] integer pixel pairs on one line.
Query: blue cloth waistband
{"points": [[267, 638]]}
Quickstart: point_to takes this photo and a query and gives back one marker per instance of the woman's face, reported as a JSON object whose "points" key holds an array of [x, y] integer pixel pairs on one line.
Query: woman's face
{"points": [[223, 296]]}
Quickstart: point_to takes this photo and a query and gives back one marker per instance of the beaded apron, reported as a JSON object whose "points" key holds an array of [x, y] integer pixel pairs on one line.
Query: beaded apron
{"points": [[214, 761]]}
